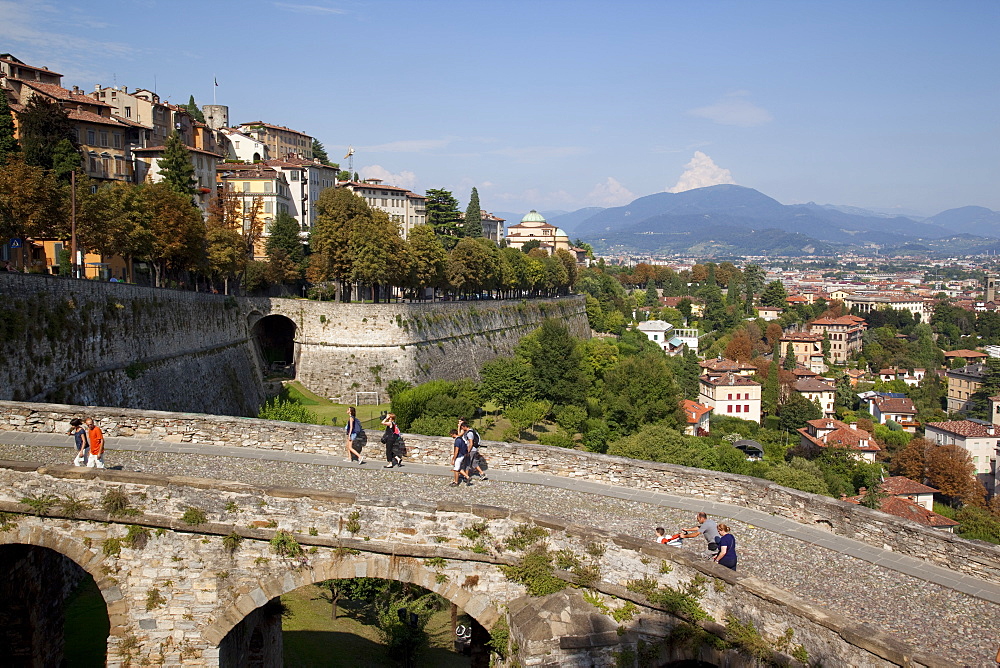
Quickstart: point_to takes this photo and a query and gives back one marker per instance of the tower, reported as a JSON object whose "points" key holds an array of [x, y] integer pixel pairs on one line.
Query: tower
{"points": [[216, 116], [991, 288]]}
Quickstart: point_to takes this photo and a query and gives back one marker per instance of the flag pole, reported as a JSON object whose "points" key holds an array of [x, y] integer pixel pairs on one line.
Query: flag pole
{"points": [[215, 81]]}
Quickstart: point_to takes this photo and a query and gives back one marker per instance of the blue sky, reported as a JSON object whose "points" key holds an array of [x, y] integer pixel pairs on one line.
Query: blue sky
{"points": [[564, 104]]}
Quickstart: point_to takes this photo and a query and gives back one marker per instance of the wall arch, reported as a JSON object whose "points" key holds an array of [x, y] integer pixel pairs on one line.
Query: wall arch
{"points": [[402, 569], [274, 337]]}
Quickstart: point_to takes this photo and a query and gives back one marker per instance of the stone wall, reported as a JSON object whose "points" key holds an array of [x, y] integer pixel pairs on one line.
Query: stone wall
{"points": [[93, 343], [973, 558], [176, 594], [345, 348]]}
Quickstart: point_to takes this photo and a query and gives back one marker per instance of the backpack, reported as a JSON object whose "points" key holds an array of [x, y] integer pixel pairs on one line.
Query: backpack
{"points": [[474, 440]]}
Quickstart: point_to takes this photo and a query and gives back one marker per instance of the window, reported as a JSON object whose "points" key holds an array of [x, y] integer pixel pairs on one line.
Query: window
{"points": [[268, 207], [236, 143], [104, 137], [91, 137], [738, 407], [729, 398], [267, 187], [128, 112], [116, 140], [729, 409], [246, 186], [746, 408], [295, 176]]}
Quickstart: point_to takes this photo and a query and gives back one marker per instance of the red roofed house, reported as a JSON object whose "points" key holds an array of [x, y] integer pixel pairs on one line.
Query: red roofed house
{"points": [[731, 395], [904, 488], [830, 433], [844, 334], [816, 390], [908, 510], [697, 418], [970, 356], [978, 438], [721, 365], [807, 348], [899, 410]]}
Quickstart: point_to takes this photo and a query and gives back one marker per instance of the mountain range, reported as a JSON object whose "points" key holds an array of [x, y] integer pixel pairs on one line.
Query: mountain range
{"points": [[731, 219]]}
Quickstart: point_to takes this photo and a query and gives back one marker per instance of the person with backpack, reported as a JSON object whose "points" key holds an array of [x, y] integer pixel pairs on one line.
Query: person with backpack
{"points": [[389, 439], [471, 437], [355, 435]]}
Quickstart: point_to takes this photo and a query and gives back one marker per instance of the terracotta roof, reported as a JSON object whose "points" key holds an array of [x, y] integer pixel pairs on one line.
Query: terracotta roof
{"points": [[90, 117], [842, 320], [893, 505], [801, 372], [693, 410], [380, 186], [275, 127], [809, 337], [16, 62], [895, 405], [837, 433], [161, 149], [727, 380], [725, 365], [966, 428], [965, 353], [130, 122], [812, 385], [64, 94], [797, 299], [901, 485]]}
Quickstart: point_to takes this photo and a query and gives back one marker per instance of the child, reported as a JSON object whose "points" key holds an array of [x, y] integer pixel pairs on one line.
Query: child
{"points": [[663, 538]]}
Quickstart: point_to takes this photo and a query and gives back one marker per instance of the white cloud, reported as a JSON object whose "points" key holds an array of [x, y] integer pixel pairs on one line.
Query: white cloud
{"points": [[701, 172], [734, 109], [403, 179], [610, 193], [309, 9]]}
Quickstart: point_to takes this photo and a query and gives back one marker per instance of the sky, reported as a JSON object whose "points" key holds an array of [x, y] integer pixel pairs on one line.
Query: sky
{"points": [[558, 105]]}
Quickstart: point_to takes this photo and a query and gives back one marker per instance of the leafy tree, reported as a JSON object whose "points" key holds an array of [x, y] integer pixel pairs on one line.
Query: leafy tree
{"points": [[684, 306], [687, 373], [176, 168], [378, 252], [29, 200], [41, 126], [472, 224], [740, 347], [754, 278], [990, 387], [571, 419], [65, 159], [192, 108], [660, 443], [427, 259], [652, 297], [568, 261], [319, 152], [116, 220], [774, 295], [641, 390], [352, 589], [951, 471], [178, 232], [442, 216], [338, 211], [554, 356], [284, 236], [8, 145], [506, 381], [795, 412], [530, 245], [524, 416]]}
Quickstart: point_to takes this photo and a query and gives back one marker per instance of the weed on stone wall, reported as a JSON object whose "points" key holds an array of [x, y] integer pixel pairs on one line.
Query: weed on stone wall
{"points": [[137, 537], [116, 503], [194, 516], [8, 521], [535, 571], [40, 504], [231, 542], [683, 601]]}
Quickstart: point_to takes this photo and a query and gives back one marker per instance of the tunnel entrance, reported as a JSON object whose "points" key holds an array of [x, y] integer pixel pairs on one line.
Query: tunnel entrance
{"points": [[48, 605], [275, 338]]}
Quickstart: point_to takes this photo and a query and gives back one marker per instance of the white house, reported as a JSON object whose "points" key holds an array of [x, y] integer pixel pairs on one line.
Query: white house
{"points": [[697, 418], [657, 331], [898, 409], [978, 438], [731, 395], [830, 433], [240, 146], [816, 390]]}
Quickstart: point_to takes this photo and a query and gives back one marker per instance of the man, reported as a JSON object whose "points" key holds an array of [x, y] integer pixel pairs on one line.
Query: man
{"points": [[471, 437], [96, 438], [707, 528], [459, 452]]}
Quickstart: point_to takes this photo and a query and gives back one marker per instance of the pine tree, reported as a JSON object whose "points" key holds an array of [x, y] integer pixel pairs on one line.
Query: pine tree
{"points": [[473, 224], [789, 357], [442, 216], [319, 151], [8, 145], [176, 167], [192, 108]]}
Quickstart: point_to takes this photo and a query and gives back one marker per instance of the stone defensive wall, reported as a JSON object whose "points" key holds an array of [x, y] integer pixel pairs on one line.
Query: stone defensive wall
{"points": [[341, 349], [973, 558], [88, 342], [189, 571]]}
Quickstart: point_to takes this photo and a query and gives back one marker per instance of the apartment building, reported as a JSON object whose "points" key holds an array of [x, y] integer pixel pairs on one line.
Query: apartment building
{"points": [[404, 207], [305, 179], [282, 142], [731, 395], [978, 438], [962, 384], [900, 302], [844, 333], [240, 146], [259, 193], [819, 391], [807, 348]]}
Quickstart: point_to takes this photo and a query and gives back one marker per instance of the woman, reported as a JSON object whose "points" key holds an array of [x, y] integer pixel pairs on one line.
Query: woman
{"points": [[353, 429], [389, 439], [79, 433], [727, 548]]}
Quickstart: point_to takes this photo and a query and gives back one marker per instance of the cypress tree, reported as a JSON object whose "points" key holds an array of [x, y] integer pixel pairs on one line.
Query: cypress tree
{"points": [[8, 145], [176, 167], [319, 152], [192, 108], [473, 226], [789, 357]]}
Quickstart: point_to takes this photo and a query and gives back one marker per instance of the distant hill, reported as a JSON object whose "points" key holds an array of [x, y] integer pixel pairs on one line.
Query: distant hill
{"points": [[976, 220], [570, 222]]}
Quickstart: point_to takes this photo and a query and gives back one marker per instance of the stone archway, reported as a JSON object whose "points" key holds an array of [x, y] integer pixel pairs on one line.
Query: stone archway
{"points": [[50, 604], [274, 336], [249, 615]]}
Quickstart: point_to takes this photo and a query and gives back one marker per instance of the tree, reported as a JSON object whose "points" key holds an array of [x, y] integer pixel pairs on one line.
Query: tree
{"points": [[754, 278], [319, 152], [41, 126], [338, 211], [29, 201], [116, 220], [284, 236], [65, 159], [178, 232], [774, 295], [176, 168], [555, 359], [950, 469], [505, 381], [641, 390], [771, 393], [8, 145], [773, 336], [192, 108], [796, 411], [427, 259], [660, 443], [990, 387], [789, 362], [910, 461], [472, 225], [740, 347], [443, 217], [378, 252]]}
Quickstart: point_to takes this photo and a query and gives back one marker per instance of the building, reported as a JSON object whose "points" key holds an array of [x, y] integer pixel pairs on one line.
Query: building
{"points": [[902, 487], [968, 356], [13, 68], [978, 438], [962, 384], [721, 365], [240, 146], [844, 333], [657, 331], [688, 337], [900, 410], [493, 228], [258, 193], [205, 164], [731, 395], [807, 348], [404, 207], [769, 312], [866, 303], [533, 227], [818, 391], [908, 509], [909, 378], [306, 179], [830, 433], [698, 417], [282, 142]]}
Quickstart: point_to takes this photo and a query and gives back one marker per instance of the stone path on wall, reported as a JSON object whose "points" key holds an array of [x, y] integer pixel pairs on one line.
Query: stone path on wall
{"points": [[932, 608]]}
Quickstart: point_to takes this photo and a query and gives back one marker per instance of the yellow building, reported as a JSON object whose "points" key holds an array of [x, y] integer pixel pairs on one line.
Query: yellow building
{"points": [[257, 194], [534, 227]]}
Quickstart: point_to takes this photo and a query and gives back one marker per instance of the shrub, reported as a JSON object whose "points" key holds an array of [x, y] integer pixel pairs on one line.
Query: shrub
{"points": [[287, 410], [559, 440], [194, 516], [116, 503]]}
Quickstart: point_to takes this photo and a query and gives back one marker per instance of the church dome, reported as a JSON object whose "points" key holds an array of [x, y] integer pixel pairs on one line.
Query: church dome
{"points": [[533, 217]]}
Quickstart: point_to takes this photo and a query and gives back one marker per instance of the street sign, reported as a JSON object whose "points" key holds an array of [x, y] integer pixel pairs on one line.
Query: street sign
{"points": [[15, 243]]}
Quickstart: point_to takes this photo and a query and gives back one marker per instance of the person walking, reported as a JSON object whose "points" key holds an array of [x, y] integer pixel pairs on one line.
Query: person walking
{"points": [[727, 548], [353, 430], [79, 433], [389, 438], [707, 528], [459, 452], [96, 438], [471, 437]]}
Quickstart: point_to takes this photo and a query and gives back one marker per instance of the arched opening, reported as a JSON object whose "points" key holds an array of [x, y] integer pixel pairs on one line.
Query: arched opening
{"points": [[52, 612], [275, 338]]}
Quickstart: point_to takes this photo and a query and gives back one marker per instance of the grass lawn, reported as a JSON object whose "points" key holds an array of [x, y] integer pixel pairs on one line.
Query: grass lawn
{"points": [[328, 410], [87, 626], [312, 639]]}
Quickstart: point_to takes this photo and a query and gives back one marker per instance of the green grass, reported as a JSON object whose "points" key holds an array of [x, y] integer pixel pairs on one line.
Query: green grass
{"points": [[326, 409], [87, 626], [313, 640]]}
